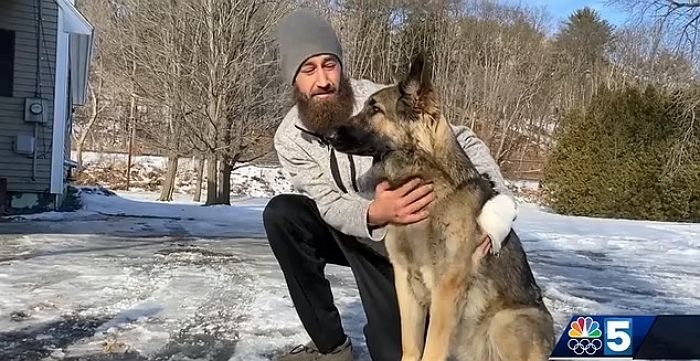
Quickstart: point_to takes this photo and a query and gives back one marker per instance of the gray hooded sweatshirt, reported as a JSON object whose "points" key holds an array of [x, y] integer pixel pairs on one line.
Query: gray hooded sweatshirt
{"points": [[339, 183]]}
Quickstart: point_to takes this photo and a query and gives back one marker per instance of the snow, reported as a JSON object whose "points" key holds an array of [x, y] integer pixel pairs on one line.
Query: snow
{"points": [[126, 276], [109, 170]]}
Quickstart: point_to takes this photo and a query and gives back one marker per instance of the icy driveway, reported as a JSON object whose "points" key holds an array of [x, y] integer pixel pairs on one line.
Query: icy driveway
{"points": [[178, 282], [129, 279]]}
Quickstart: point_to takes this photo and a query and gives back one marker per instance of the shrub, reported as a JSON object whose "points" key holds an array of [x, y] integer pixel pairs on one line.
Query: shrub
{"points": [[612, 158]]}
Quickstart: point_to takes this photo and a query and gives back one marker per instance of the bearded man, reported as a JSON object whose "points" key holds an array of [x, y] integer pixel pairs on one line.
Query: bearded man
{"points": [[338, 215]]}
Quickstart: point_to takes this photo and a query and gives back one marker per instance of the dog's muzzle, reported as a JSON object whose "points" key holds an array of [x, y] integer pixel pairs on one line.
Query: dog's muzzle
{"points": [[345, 139], [357, 141]]}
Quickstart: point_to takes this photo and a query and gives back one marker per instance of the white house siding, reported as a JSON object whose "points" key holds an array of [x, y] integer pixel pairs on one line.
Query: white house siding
{"points": [[21, 16]]}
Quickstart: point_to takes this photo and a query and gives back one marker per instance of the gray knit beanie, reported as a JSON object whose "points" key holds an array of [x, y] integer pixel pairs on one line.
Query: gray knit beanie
{"points": [[301, 35]]}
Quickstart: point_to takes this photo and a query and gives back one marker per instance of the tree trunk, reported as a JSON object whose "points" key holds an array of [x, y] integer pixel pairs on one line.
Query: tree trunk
{"points": [[81, 140], [224, 190], [199, 173], [166, 190], [79, 157], [501, 150], [211, 179]]}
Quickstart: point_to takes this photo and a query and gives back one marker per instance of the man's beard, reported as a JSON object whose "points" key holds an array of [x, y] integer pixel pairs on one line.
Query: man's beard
{"points": [[321, 115]]}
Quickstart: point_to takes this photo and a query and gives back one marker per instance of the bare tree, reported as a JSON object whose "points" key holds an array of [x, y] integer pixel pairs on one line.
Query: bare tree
{"points": [[101, 88], [233, 73], [87, 117], [678, 20], [199, 79], [671, 60]]}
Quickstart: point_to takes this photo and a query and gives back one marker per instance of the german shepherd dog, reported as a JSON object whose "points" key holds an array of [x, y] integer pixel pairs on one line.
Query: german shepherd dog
{"points": [[481, 306]]}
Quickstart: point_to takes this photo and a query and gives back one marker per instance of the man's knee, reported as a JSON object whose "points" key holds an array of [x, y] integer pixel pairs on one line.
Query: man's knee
{"points": [[282, 204], [283, 207]]}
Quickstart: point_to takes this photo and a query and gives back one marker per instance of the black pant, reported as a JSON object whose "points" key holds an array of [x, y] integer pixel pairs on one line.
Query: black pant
{"points": [[303, 244]]}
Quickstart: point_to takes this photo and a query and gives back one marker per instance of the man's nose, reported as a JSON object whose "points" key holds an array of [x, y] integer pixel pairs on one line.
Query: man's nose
{"points": [[322, 79]]}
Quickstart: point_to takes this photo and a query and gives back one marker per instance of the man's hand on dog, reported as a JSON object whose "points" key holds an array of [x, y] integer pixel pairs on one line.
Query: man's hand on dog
{"points": [[404, 205], [409, 204]]}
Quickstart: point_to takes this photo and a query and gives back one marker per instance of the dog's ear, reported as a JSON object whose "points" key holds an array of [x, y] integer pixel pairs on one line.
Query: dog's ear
{"points": [[417, 95], [419, 79]]}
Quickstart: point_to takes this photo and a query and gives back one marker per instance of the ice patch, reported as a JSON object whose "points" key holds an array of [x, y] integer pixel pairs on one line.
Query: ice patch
{"points": [[134, 277]]}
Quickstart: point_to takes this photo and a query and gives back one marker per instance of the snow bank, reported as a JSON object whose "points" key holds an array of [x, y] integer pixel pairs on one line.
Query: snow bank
{"points": [[148, 173], [242, 218]]}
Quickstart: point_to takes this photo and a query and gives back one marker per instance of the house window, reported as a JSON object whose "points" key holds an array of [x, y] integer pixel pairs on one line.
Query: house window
{"points": [[7, 62]]}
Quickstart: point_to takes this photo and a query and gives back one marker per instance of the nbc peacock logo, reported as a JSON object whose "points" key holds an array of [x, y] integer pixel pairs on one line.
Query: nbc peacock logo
{"points": [[585, 327], [585, 336]]}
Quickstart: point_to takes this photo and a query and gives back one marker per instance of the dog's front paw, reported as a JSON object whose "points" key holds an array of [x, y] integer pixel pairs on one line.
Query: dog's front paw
{"points": [[496, 219]]}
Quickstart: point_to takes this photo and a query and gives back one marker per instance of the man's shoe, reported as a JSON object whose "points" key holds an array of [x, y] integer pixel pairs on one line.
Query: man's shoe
{"points": [[309, 352]]}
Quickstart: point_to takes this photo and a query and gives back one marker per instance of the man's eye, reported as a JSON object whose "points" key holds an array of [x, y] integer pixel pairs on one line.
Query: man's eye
{"points": [[307, 69], [330, 65]]}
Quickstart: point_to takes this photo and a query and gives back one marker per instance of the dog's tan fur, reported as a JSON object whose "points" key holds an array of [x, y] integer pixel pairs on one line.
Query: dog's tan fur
{"points": [[481, 307]]}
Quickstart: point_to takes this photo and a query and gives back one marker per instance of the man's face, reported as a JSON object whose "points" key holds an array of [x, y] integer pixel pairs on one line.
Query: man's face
{"points": [[323, 94], [319, 78]]}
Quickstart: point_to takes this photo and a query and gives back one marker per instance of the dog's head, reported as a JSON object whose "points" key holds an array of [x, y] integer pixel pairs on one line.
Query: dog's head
{"points": [[404, 116]]}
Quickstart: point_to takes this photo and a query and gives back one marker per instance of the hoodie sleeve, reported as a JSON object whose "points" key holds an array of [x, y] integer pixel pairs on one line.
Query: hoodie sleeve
{"points": [[480, 155], [499, 213], [345, 213]]}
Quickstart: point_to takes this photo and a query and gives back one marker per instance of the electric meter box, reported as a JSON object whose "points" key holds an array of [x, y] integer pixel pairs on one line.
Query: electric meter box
{"points": [[35, 110]]}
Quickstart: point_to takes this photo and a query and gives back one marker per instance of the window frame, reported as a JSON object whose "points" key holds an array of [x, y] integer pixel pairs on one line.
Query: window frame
{"points": [[7, 62]]}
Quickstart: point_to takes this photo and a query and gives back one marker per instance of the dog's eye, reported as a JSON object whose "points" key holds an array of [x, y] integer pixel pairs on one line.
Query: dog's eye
{"points": [[373, 106]]}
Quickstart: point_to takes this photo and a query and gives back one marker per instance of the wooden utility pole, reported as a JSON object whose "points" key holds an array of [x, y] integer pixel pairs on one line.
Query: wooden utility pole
{"points": [[132, 127], [131, 146]]}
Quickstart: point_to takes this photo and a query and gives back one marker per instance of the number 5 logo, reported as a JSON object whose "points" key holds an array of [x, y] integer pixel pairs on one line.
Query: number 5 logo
{"points": [[618, 336]]}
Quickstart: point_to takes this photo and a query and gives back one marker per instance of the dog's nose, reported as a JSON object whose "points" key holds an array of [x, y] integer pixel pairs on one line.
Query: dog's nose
{"points": [[332, 135], [340, 134]]}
